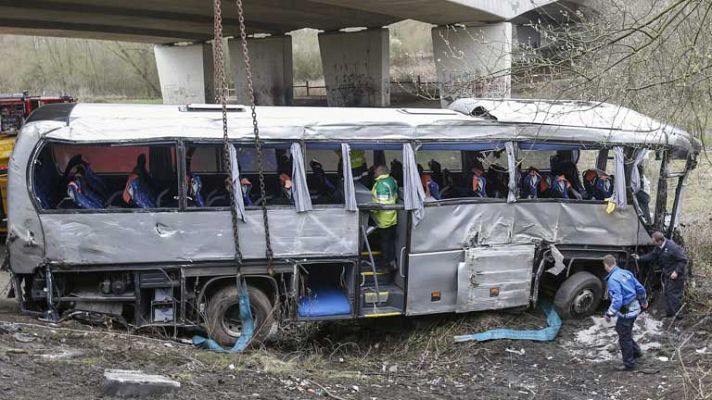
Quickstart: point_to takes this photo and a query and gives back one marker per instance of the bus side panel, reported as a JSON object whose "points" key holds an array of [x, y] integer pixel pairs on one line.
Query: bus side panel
{"points": [[450, 227], [25, 236], [137, 237], [432, 282]]}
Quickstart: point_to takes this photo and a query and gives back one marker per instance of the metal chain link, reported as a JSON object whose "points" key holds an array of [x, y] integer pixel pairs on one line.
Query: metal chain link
{"points": [[221, 97], [256, 130]]}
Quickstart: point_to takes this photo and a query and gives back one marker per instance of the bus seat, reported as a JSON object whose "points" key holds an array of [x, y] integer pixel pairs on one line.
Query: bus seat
{"points": [[324, 302], [91, 179], [82, 196], [590, 176], [138, 194], [194, 191]]}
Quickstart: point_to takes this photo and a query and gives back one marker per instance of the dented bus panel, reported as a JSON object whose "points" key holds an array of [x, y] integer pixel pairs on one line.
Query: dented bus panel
{"points": [[123, 210]]}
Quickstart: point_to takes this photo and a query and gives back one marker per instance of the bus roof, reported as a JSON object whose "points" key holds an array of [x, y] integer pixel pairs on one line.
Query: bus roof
{"points": [[466, 120]]}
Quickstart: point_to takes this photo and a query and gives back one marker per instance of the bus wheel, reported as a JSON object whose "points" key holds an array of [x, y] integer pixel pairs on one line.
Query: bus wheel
{"points": [[579, 295], [223, 315]]}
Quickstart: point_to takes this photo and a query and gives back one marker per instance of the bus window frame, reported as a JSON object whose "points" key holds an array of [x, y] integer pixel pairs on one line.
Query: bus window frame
{"points": [[329, 146], [500, 145], [603, 150], [39, 147], [271, 144]]}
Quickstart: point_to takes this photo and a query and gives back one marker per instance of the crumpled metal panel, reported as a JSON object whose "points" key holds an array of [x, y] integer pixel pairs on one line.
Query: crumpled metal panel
{"points": [[606, 123], [25, 243], [493, 278], [450, 227], [138, 237]]}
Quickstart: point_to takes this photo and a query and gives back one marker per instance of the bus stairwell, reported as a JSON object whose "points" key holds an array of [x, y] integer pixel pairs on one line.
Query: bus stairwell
{"points": [[379, 294]]}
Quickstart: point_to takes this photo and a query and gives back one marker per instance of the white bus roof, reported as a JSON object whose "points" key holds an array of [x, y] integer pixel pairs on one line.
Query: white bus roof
{"points": [[519, 120]]}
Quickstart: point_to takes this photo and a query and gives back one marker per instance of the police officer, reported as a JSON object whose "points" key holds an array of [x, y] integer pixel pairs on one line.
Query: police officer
{"points": [[385, 191], [673, 261], [628, 298]]}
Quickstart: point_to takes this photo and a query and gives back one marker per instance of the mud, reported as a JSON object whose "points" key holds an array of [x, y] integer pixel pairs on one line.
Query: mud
{"points": [[386, 359]]}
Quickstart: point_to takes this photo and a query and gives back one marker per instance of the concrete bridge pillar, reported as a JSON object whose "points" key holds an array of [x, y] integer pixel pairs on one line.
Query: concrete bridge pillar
{"points": [[271, 66], [356, 67], [473, 61], [185, 73]]}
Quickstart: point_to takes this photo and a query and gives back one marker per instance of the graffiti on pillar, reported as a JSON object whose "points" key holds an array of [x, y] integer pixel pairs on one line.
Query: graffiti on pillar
{"points": [[357, 90], [475, 85], [183, 94]]}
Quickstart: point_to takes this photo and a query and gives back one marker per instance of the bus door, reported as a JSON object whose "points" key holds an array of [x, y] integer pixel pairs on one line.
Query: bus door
{"points": [[459, 257]]}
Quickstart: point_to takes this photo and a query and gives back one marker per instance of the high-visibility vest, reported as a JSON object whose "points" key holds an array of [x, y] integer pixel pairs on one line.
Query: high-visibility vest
{"points": [[358, 159], [385, 191]]}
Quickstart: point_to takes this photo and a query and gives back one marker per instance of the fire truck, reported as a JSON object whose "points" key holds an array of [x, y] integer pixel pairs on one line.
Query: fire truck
{"points": [[14, 109]]}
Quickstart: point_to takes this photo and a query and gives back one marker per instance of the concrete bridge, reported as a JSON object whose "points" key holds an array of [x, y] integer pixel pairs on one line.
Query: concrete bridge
{"points": [[355, 61]]}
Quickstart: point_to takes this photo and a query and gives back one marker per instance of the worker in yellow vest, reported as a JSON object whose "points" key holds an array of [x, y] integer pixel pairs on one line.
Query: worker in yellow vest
{"points": [[359, 168], [385, 192]]}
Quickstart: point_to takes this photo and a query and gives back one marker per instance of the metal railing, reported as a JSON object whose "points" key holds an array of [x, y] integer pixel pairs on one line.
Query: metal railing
{"points": [[415, 86]]}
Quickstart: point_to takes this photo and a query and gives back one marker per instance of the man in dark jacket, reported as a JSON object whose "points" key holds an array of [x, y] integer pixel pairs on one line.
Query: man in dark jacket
{"points": [[628, 298], [673, 261]]}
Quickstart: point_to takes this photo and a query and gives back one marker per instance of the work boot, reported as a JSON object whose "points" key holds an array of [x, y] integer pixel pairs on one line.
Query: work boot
{"points": [[624, 368]]}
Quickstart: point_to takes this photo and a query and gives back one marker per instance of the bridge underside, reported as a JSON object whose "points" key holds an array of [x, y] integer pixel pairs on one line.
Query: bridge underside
{"points": [[170, 21], [355, 64]]}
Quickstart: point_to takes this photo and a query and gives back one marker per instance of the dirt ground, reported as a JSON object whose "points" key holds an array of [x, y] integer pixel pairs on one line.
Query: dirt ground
{"points": [[393, 358]]}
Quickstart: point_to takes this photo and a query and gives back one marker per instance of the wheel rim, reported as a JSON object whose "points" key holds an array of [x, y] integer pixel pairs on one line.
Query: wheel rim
{"points": [[231, 321], [582, 302]]}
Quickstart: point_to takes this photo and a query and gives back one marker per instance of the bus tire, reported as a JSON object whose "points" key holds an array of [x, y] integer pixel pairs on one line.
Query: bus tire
{"points": [[579, 295], [223, 315]]}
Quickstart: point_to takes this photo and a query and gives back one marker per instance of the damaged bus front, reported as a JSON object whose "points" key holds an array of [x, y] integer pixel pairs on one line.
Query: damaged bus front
{"points": [[123, 211]]}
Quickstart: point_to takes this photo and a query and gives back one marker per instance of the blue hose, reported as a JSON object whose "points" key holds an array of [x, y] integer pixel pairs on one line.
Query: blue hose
{"points": [[540, 335], [248, 326]]}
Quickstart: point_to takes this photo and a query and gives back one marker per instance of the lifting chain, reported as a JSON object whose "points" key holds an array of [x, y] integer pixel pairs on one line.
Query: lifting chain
{"points": [[256, 131], [221, 98]]}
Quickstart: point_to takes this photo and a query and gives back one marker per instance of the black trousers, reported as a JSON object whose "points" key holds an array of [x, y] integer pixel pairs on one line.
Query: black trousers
{"points": [[387, 242], [629, 349], [673, 290]]}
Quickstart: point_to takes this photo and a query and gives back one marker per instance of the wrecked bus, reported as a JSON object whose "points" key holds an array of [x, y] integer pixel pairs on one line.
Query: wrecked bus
{"points": [[123, 210]]}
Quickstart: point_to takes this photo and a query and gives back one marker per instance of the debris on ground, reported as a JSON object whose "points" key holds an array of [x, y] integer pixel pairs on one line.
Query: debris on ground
{"points": [[23, 338], [599, 342], [8, 327], [135, 383]]}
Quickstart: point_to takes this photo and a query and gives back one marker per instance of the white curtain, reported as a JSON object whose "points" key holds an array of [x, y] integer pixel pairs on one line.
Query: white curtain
{"points": [[619, 183], [634, 173], [300, 191], [512, 168], [235, 183], [349, 190], [413, 193]]}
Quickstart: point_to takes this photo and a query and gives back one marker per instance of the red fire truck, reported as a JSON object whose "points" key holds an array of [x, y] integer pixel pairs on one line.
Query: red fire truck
{"points": [[14, 109]]}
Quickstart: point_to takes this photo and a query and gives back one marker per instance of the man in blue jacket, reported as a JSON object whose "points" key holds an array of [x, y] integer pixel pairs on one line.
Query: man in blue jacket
{"points": [[628, 298], [673, 261]]}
